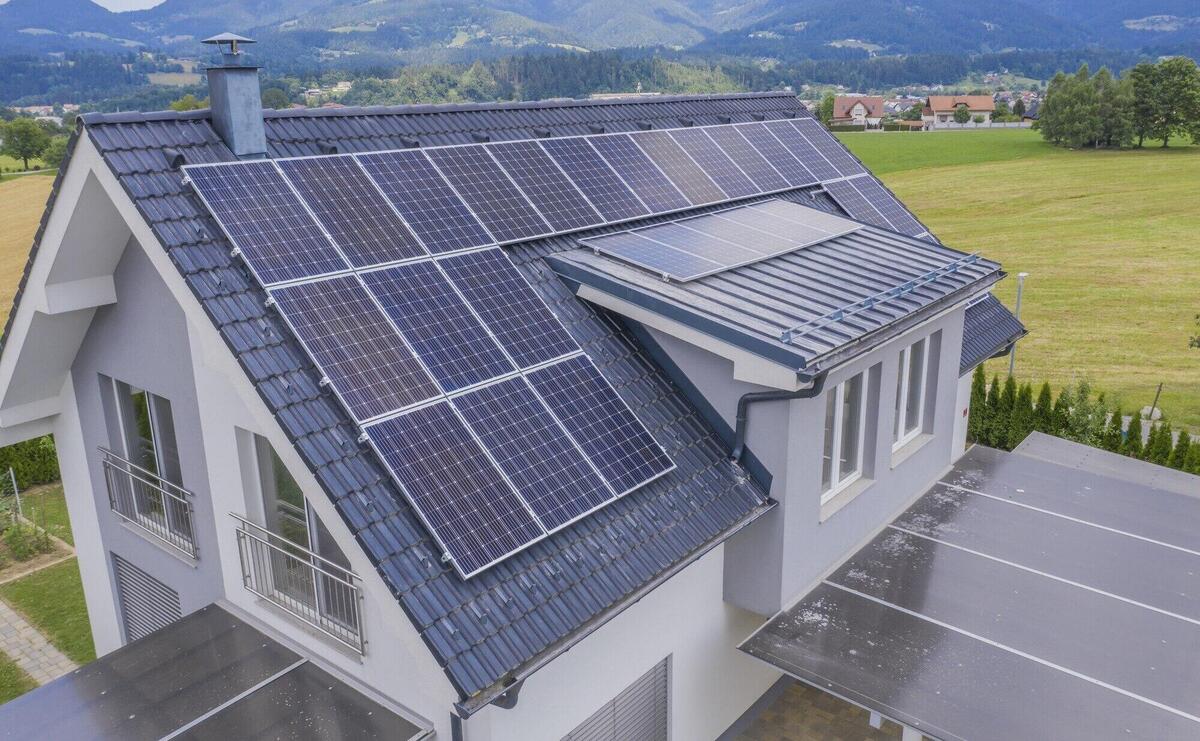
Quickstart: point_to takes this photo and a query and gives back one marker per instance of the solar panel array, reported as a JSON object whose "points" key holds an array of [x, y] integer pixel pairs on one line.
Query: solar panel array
{"points": [[387, 267], [866, 200], [697, 246]]}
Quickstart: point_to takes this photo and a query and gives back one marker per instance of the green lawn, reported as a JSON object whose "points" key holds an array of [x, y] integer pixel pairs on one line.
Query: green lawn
{"points": [[52, 599], [14, 682], [1108, 237], [11, 163], [46, 506]]}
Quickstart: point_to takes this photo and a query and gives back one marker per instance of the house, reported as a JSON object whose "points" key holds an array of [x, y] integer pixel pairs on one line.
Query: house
{"points": [[859, 110], [537, 421], [940, 109]]}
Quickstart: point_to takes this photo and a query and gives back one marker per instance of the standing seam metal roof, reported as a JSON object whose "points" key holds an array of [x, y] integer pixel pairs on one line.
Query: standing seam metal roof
{"points": [[492, 628]]}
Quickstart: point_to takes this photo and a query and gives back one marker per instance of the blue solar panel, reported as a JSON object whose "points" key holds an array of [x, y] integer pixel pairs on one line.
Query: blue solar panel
{"points": [[887, 205], [355, 346], [425, 200], [539, 458], [266, 221], [554, 196], [600, 422], [599, 182], [490, 193], [516, 315], [699, 241], [654, 188], [777, 154], [439, 326], [350, 208], [764, 175], [804, 151], [854, 204], [655, 256], [689, 177], [828, 145], [743, 231], [727, 175], [455, 487]]}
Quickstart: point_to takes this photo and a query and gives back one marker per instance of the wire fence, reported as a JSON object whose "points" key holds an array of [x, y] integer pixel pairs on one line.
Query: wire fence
{"points": [[11, 509]]}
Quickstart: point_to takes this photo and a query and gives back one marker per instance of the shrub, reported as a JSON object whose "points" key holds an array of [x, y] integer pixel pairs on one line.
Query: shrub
{"points": [[1043, 413], [978, 420], [33, 461], [1021, 422], [1179, 456], [1133, 438], [26, 541], [1112, 437]]}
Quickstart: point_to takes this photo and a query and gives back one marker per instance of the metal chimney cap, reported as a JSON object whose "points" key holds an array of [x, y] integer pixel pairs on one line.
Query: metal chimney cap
{"points": [[228, 38]]}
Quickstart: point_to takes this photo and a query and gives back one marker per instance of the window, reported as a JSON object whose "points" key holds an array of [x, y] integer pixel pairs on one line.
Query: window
{"points": [[147, 432], [845, 424], [910, 393]]}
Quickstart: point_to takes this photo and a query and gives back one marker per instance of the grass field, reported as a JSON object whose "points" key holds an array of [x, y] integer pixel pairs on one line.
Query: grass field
{"points": [[1109, 239], [22, 200], [46, 506], [11, 163], [52, 600], [14, 682]]}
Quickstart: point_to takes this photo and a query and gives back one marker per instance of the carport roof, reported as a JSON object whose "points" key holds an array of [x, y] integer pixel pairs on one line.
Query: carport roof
{"points": [[1018, 598]]}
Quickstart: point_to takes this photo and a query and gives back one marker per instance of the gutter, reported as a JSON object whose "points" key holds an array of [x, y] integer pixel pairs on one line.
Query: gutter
{"points": [[755, 397]]}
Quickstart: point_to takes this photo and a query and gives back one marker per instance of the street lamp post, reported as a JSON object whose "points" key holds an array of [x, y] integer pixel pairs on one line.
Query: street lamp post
{"points": [[1012, 354]]}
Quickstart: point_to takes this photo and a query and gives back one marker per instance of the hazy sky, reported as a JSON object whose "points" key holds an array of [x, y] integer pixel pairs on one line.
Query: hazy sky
{"points": [[119, 5]]}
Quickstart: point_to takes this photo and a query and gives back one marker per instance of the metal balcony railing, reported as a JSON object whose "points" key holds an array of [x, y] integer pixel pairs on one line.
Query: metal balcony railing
{"points": [[149, 502], [312, 588]]}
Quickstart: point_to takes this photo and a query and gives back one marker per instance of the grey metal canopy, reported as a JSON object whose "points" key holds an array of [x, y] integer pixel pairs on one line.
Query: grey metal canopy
{"points": [[207, 676], [1018, 598]]}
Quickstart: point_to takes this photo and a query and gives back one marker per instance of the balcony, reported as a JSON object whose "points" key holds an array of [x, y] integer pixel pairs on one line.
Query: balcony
{"points": [[150, 503], [311, 588]]}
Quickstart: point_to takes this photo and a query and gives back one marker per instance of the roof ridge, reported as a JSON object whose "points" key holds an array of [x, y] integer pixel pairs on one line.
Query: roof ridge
{"points": [[92, 119]]}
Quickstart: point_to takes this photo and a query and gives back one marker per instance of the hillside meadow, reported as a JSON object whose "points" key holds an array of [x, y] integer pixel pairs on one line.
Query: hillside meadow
{"points": [[1110, 240]]}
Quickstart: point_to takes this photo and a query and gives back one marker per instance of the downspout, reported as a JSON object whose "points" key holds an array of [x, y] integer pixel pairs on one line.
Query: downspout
{"points": [[754, 397]]}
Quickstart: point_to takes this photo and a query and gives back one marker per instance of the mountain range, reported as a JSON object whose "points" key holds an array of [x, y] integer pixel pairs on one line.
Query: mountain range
{"points": [[415, 30]]}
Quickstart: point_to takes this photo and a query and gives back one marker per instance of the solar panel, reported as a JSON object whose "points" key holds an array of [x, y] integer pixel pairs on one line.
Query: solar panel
{"points": [[723, 171], [535, 453], [641, 174], [490, 193], [460, 494], [777, 154], [599, 182], [689, 177], [891, 209], [802, 150], [352, 210], [517, 316], [425, 200], [438, 324], [355, 345], [731, 141], [264, 219], [828, 145], [554, 196], [855, 204], [600, 422], [698, 246]]}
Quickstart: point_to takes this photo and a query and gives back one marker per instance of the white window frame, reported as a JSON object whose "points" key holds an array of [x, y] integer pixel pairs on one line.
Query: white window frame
{"points": [[839, 394], [900, 438]]}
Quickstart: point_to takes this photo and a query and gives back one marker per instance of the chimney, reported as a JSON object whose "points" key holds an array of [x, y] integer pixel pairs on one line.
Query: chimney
{"points": [[235, 99]]}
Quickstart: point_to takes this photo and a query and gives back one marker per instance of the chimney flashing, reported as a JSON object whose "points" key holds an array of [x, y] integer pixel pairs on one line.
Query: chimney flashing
{"points": [[235, 99]]}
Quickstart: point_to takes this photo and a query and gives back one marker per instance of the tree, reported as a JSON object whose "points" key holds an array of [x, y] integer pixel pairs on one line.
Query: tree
{"points": [[1133, 438], [1062, 413], [993, 413], [977, 421], [1179, 456], [55, 152], [1001, 112], [1052, 115], [273, 97], [1193, 459], [1003, 420], [1018, 108], [825, 111], [912, 114], [1070, 115], [1178, 99], [962, 114], [1115, 109], [1021, 423], [1144, 88], [1112, 438], [188, 102], [24, 140], [477, 83], [1043, 413]]}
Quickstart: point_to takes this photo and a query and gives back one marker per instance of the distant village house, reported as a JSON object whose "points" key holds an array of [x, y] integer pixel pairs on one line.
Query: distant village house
{"points": [[859, 110], [939, 109]]}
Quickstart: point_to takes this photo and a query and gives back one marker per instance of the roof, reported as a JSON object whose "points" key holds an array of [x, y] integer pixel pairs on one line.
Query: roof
{"points": [[1018, 598], [939, 103], [209, 673], [843, 103], [753, 305], [501, 624], [989, 328]]}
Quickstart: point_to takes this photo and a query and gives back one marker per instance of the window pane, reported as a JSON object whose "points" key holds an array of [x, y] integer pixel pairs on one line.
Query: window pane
{"points": [[896, 425], [851, 423], [916, 386], [139, 432], [283, 502], [827, 458], [164, 439]]}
